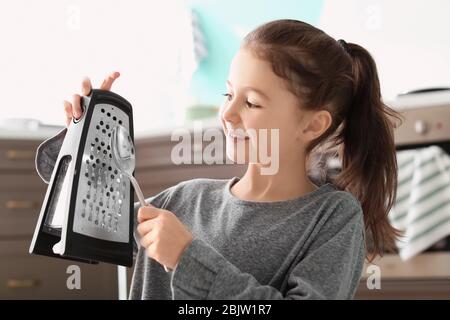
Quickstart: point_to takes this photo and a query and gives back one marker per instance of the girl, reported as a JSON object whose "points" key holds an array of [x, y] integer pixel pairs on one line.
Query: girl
{"points": [[278, 236]]}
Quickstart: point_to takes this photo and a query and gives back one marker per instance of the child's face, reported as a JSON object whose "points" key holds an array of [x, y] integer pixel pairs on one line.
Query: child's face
{"points": [[258, 99]]}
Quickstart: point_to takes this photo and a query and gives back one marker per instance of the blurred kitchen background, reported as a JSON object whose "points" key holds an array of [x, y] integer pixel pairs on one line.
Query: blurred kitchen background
{"points": [[173, 56]]}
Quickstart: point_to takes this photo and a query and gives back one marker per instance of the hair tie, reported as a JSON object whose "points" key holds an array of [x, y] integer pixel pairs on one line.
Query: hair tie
{"points": [[344, 45]]}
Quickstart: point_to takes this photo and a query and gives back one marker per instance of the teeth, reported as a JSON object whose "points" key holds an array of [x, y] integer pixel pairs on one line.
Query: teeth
{"points": [[237, 135]]}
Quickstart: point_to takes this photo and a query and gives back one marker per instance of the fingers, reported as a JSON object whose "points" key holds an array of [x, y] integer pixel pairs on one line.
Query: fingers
{"points": [[108, 82], [147, 212], [73, 109], [76, 106], [86, 86], [147, 239], [68, 111], [146, 226]]}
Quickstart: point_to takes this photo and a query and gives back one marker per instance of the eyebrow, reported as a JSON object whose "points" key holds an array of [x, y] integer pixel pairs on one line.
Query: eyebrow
{"points": [[253, 89]]}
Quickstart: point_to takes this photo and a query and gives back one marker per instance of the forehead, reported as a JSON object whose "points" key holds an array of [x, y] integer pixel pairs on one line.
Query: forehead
{"points": [[247, 69]]}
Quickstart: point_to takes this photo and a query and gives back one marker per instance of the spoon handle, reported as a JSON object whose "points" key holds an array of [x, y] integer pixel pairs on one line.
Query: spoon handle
{"points": [[141, 199], [138, 190]]}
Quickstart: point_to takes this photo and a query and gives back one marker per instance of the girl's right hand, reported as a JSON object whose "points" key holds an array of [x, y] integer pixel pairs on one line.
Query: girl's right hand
{"points": [[74, 109]]}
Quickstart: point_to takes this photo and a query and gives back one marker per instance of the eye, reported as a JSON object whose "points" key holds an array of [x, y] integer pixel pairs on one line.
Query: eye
{"points": [[227, 95], [251, 105]]}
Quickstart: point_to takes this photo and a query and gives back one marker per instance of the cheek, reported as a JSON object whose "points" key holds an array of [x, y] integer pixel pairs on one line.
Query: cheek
{"points": [[287, 129]]}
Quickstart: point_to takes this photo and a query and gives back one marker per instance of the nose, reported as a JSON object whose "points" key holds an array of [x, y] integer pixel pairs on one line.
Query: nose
{"points": [[230, 112]]}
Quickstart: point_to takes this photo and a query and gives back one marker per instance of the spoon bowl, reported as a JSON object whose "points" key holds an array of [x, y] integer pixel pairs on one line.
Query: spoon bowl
{"points": [[123, 155]]}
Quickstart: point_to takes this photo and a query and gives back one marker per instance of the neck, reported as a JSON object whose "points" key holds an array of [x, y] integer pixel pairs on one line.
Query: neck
{"points": [[288, 183]]}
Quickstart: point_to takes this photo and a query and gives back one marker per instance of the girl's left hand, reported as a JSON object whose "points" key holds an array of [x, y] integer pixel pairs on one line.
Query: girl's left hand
{"points": [[163, 235]]}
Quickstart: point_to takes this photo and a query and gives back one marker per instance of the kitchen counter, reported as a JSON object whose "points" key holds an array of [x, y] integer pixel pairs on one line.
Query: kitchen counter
{"points": [[44, 132], [29, 134]]}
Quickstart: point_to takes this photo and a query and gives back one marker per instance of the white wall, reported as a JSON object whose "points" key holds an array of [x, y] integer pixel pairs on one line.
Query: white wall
{"points": [[410, 40], [47, 46]]}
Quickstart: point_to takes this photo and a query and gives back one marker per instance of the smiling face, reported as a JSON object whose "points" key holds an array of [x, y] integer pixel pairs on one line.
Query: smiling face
{"points": [[258, 99]]}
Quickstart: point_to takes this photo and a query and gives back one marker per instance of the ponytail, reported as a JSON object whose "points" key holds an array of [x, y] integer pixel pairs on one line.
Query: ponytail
{"points": [[369, 164]]}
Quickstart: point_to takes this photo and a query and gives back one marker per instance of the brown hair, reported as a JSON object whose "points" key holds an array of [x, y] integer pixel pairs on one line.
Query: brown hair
{"points": [[343, 80]]}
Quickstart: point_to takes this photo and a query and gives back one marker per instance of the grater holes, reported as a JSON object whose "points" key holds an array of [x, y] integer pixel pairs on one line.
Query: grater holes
{"points": [[104, 198]]}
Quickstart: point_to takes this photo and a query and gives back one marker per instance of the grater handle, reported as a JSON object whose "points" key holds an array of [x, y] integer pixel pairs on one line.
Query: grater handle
{"points": [[141, 199]]}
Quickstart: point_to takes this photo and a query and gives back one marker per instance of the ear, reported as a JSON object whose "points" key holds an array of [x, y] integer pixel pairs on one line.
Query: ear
{"points": [[315, 124]]}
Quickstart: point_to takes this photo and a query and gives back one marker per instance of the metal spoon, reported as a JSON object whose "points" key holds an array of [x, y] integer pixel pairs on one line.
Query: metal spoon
{"points": [[122, 151]]}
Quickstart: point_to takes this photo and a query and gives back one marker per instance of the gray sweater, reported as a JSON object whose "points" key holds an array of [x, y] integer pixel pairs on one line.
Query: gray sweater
{"points": [[311, 247]]}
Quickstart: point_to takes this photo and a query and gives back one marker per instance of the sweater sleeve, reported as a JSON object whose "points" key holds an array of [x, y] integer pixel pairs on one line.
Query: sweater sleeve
{"points": [[331, 270], [47, 154]]}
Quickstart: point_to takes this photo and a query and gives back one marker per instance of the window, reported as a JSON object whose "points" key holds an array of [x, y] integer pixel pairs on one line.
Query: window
{"points": [[48, 46]]}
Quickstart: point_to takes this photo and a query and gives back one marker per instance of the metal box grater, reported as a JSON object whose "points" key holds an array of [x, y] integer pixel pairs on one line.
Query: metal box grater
{"points": [[87, 213]]}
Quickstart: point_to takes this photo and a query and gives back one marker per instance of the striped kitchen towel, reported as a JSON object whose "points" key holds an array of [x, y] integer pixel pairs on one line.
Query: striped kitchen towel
{"points": [[422, 207]]}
